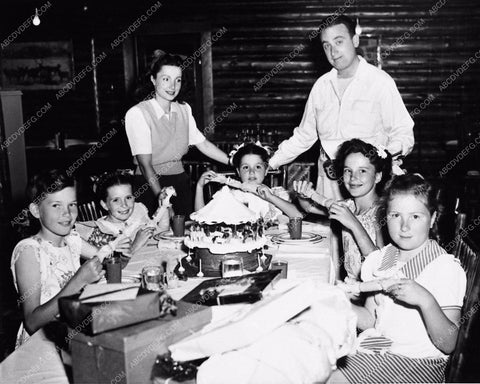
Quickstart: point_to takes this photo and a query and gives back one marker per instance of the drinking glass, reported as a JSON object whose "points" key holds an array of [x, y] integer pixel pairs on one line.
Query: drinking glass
{"points": [[152, 278], [295, 228], [232, 266], [178, 225]]}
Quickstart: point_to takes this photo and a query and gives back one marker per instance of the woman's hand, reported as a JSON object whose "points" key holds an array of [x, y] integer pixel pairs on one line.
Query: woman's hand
{"points": [[304, 188], [264, 192], [409, 292], [90, 271], [205, 178], [340, 212]]}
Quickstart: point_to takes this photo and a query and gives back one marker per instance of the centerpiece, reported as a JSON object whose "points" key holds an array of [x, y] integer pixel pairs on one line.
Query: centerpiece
{"points": [[223, 229]]}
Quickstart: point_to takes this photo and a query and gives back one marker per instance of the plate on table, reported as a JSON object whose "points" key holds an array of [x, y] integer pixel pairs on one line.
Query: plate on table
{"points": [[168, 235], [307, 238]]}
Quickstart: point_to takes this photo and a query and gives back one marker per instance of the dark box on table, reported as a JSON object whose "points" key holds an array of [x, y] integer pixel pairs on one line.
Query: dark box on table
{"points": [[94, 318], [127, 355], [219, 292]]}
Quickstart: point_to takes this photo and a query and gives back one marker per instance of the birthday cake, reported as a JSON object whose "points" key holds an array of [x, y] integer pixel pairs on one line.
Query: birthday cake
{"points": [[224, 228]]}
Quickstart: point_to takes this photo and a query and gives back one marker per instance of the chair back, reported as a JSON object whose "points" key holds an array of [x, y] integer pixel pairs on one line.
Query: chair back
{"points": [[89, 211], [463, 365]]}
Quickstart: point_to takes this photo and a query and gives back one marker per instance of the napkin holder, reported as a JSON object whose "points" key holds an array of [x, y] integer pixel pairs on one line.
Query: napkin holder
{"points": [[94, 318], [216, 291]]}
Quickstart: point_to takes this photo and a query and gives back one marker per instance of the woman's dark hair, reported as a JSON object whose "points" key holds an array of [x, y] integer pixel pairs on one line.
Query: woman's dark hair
{"points": [[383, 165], [47, 182], [159, 58], [411, 184], [109, 180], [249, 149]]}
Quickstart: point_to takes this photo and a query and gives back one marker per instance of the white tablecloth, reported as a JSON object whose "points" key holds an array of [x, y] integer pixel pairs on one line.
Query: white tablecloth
{"points": [[37, 361]]}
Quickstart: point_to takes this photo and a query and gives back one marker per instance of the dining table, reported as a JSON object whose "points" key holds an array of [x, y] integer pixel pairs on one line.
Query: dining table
{"points": [[39, 360]]}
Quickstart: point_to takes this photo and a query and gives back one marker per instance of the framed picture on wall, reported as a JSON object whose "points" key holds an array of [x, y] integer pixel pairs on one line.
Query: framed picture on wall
{"points": [[37, 65]]}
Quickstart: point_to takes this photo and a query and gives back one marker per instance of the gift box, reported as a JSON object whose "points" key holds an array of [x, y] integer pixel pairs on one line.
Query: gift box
{"points": [[94, 318], [127, 355], [232, 290]]}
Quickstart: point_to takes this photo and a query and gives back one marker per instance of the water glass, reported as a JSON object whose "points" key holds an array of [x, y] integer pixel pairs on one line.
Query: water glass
{"points": [[152, 277], [295, 228], [282, 266], [113, 266], [232, 267], [178, 225]]}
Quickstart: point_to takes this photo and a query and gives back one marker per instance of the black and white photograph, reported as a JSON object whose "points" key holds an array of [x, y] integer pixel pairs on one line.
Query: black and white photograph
{"points": [[239, 191]]}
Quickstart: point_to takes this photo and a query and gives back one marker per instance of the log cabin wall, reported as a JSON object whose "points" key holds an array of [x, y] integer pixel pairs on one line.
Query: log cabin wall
{"points": [[422, 44], [259, 37]]}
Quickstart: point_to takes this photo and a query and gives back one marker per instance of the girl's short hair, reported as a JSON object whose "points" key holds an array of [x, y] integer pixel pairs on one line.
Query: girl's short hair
{"points": [[372, 153], [47, 182], [411, 184], [109, 180], [249, 149]]}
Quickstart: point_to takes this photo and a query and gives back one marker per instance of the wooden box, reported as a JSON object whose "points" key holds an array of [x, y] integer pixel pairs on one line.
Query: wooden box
{"points": [[127, 355]]}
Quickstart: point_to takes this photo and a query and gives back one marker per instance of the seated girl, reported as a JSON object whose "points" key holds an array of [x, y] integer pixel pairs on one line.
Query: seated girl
{"points": [[125, 216], [411, 319], [46, 266], [250, 161], [365, 170]]}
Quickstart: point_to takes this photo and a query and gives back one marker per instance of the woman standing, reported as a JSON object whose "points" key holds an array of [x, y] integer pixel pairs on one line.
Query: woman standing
{"points": [[159, 132]]}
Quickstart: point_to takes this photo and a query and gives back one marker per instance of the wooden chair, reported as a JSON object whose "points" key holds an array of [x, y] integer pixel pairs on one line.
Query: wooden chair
{"points": [[464, 362], [89, 211]]}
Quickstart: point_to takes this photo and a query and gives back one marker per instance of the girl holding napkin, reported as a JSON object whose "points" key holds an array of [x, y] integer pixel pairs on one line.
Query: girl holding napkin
{"points": [[365, 169], [46, 266], [251, 161], [411, 319]]}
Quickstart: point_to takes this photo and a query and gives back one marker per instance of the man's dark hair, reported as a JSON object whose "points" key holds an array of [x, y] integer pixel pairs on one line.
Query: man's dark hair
{"points": [[334, 19]]}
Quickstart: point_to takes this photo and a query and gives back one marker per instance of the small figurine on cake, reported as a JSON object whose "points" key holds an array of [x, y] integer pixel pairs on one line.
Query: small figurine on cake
{"points": [[251, 162], [125, 217]]}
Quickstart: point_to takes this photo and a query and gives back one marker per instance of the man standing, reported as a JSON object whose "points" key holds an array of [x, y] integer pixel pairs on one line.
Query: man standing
{"points": [[354, 100]]}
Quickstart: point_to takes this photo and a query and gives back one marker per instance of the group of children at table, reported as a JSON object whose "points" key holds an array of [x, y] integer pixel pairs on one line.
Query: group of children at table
{"points": [[410, 322]]}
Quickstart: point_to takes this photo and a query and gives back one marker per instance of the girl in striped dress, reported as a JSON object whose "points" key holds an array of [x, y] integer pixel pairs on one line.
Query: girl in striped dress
{"points": [[411, 318]]}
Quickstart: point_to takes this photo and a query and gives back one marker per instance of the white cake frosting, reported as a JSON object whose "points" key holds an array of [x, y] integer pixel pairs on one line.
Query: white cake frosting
{"points": [[225, 209]]}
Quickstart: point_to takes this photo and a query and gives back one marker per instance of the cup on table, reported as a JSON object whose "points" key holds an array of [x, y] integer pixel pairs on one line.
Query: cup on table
{"points": [[113, 267], [178, 225], [232, 266], [152, 278], [282, 266], [295, 228]]}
